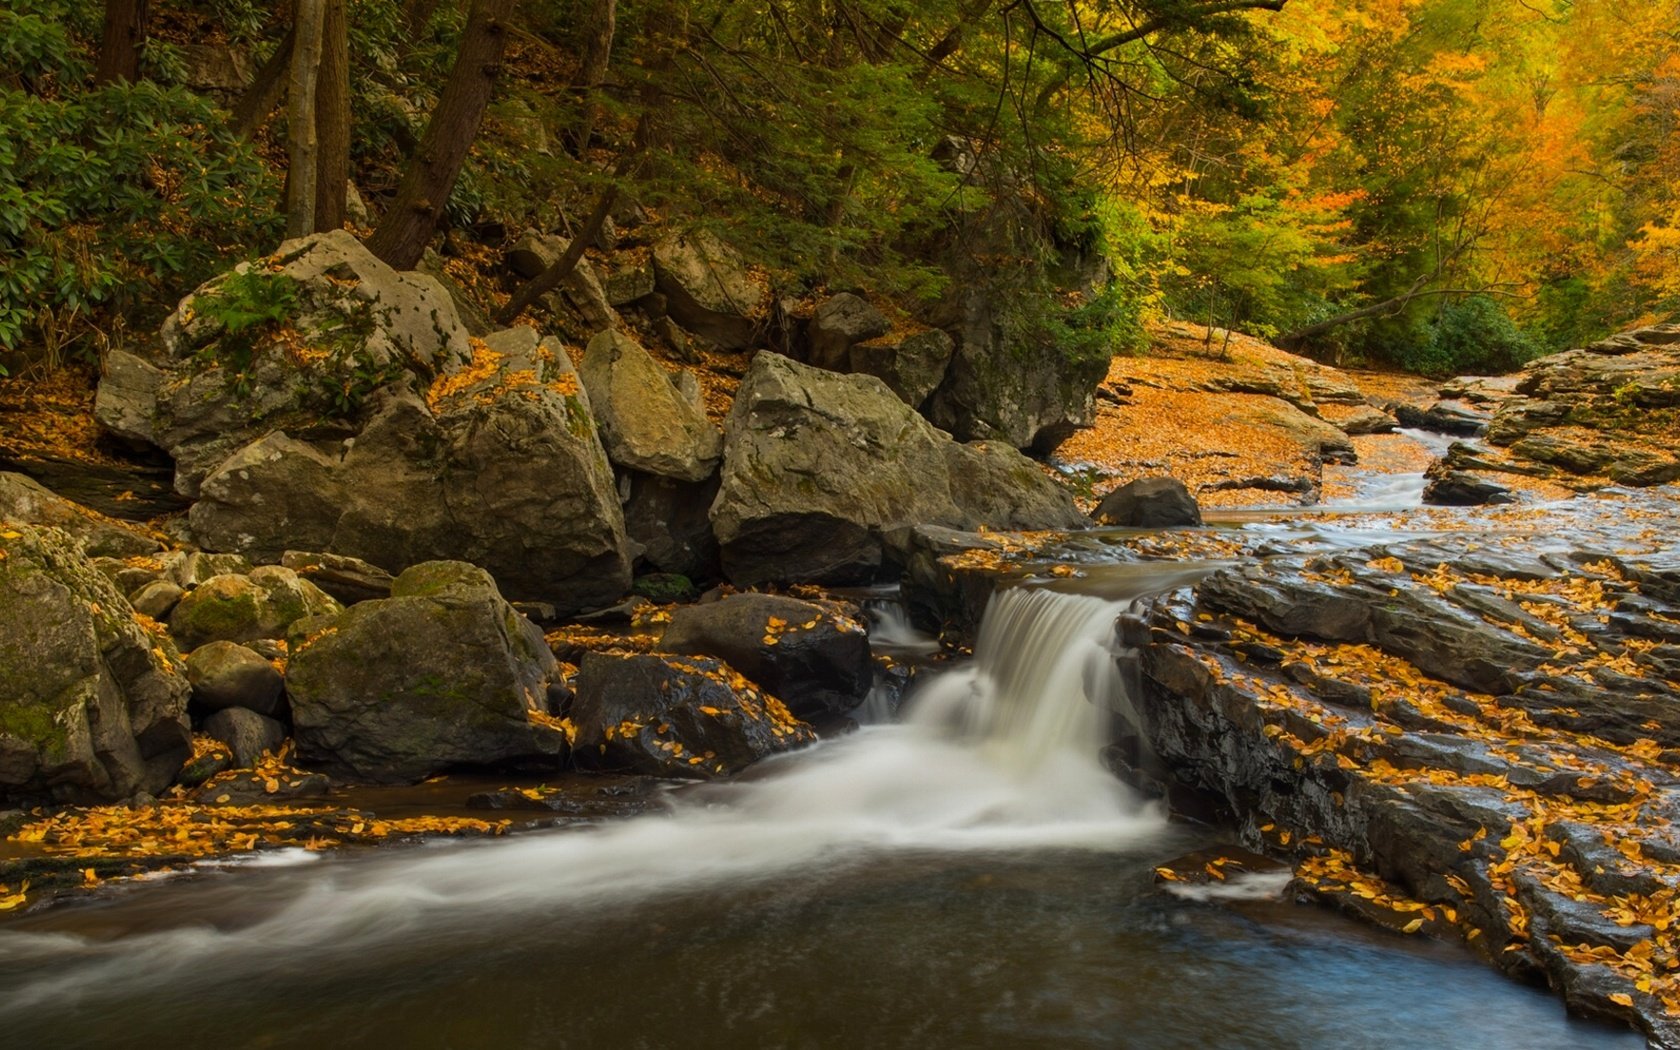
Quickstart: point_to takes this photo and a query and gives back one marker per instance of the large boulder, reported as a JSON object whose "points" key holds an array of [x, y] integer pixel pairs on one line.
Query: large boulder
{"points": [[650, 421], [246, 608], [840, 322], [1031, 395], [814, 657], [93, 705], [676, 716], [499, 464], [669, 521], [1150, 503], [708, 288], [226, 675], [337, 324], [441, 675], [26, 501], [998, 487], [912, 367], [818, 467]]}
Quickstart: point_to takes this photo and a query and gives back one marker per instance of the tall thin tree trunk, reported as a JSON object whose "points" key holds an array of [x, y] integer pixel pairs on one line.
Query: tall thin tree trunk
{"points": [[302, 144], [332, 120], [265, 89], [121, 41], [596, 58], [413, 215]]}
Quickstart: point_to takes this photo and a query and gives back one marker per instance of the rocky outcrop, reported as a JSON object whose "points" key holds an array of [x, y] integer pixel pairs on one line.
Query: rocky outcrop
{"points": [[912, 367], [246, 733], [675, 716], [669, 522], [998, 487], [813, 657], [499, 463], [1475, 732], [1610, 410], [840, 322], [998, 388], [25, 501], [92, 701], [1150, 503], [651, 420], [441, 675], [819, 466], [709, 290], [245, 608]]}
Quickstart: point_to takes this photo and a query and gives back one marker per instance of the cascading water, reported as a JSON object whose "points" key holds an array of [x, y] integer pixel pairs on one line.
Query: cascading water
{"points": [[999, 757]]}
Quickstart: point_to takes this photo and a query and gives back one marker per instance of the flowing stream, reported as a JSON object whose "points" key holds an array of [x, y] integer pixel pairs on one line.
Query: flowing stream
{"points": [[967, 877]]}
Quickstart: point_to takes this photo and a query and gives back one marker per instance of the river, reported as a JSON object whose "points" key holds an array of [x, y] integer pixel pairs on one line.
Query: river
{"points": [[966, 876]]}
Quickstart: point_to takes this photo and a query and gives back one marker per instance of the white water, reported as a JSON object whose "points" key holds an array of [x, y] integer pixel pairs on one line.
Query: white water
{"points": [[1000, 757], [890, 627]]}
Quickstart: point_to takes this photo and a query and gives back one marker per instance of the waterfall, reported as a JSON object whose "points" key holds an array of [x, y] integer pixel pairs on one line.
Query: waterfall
{"points": [[1042, 678], [999, 757]]}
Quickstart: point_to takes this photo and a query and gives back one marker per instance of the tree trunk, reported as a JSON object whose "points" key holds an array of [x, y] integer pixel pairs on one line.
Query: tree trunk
{"points": [[120, 43], [332, 120], [550, 279], [263, 95], [414, 212], [593, 73], [302, 144]]}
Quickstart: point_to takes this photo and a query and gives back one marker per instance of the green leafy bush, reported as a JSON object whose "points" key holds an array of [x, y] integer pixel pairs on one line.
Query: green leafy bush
{"points": [[114, 201], [1475, 335]]}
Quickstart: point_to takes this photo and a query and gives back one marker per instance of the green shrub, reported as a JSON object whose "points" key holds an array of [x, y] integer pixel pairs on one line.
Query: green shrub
{"points": [[114, 201], [1475, 335]]}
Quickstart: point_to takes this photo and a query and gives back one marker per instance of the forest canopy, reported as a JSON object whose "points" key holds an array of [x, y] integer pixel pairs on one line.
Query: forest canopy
{"points": [[1441, 185]]}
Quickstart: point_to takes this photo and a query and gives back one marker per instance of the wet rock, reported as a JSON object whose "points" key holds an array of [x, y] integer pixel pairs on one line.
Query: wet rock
{"points": [[649, 421], [708, 289], [1444, 417], [675, 716], [244, 608], [246, 733], [94, 705], [442, 674], [1150, 503], [27, 502], [1446, 487], [348, 580], [840, 322], [813, 657], [593, 797], [225, 674]]}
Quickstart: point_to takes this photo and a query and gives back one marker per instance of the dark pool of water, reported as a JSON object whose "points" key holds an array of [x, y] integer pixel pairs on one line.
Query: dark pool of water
{"points": [[1058, 950]]}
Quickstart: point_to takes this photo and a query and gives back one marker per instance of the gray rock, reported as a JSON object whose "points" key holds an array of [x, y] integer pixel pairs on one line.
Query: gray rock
{"points": [[813, 657], [1447, 487], [128, 390], [675, 716], [1150, 503], [816, 466], [581, 290], [226, 674], [188, 569], [708, 289], [650, 421], [502, 466], [840, 322], [26, 502], [349, 580], [156, 599], [1366, 420], [246, 733], [365, 325], [669, 521], [630, 283], [999, 388], [244, 608], [912, 368], [94, 706], [997, 487], [441, 675]]}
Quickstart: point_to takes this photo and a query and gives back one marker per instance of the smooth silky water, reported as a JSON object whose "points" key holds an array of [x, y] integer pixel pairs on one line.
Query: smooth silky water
{"points": [[968, 877]]}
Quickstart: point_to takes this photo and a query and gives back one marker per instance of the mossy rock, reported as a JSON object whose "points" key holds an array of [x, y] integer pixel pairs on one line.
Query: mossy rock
{"points": [[246, 608]]}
